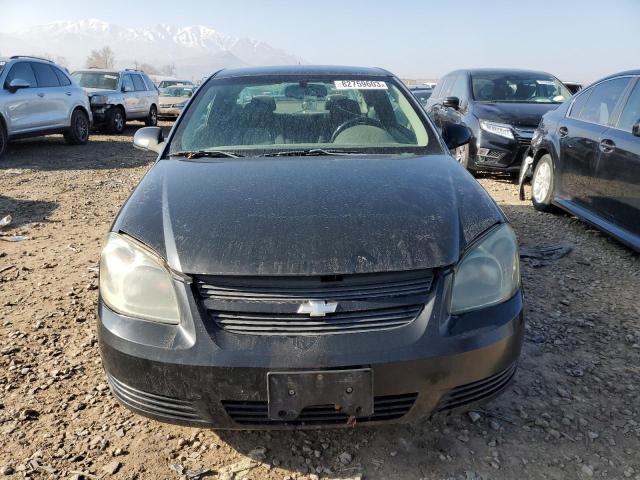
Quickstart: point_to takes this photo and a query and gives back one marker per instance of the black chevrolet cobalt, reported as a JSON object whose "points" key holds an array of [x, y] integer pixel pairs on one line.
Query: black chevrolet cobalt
{"points": [[306, 252]]}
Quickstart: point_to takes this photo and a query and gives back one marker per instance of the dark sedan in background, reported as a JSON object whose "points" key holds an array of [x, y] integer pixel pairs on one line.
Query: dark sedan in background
{"points": [[422, 93], [586, 157], [501, 107]]}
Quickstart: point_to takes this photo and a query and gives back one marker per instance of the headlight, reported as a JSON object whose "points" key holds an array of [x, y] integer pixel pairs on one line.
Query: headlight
{"points": [[537, 137], [489, 273], [180, 105], [498, 128], [99, 100], [135, 282]]}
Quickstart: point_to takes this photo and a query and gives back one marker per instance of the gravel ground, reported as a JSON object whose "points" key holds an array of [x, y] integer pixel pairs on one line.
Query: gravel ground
{"points": [[572, 411]]}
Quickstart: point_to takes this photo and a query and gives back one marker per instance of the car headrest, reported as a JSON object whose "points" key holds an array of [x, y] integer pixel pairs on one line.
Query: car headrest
{"points": [[262, 103], [341, 104]]}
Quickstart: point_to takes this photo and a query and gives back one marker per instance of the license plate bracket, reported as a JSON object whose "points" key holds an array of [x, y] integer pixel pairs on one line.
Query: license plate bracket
{"points": [[350, 391]]}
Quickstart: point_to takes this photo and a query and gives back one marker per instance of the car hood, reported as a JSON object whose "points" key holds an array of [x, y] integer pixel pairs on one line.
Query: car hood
{"points": [[308, 215], [100, 91], [517, 114]]}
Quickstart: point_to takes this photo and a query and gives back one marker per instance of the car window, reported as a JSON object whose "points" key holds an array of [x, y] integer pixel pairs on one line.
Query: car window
{"points": [[631, 111], [98, 80], [579, 103], [517, 87], [45, 76], [445, 87], [127, 83], [22, 71], [150, 85], [138, 83], [257, 113], [459, 88], [602, 101], [62, 78]]}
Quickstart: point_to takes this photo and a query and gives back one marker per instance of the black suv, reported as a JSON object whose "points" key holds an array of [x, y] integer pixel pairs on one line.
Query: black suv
{"points": [[501, 107]]}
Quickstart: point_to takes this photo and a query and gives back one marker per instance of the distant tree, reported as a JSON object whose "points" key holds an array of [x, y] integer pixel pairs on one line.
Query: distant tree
{"points": [[103, 58], [147, 68], [169, 69]]}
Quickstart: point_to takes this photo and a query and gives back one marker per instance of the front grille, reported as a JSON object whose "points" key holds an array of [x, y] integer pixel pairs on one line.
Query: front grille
{"points": [[269, 305], [390, 407], [476, 391], [153, 404]]}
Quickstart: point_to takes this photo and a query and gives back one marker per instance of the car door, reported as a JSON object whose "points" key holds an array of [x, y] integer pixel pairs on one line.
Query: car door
{"points": [[21, 106], [579, 133], [71, 94], [130, 98], [53, 106], [617, 174], [141, 94]]}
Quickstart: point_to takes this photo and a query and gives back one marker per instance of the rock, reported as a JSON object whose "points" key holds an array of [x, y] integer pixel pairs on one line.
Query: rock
{"points": [[7, 470], [258, 454], [592, 435], [345, 458], [474, 416], [494, 425], [586, 471], [112, 468]]}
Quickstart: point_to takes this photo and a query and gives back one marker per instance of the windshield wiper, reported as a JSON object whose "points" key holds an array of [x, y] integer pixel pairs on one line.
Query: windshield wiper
{"points": [[308, 153], [192, 154]]}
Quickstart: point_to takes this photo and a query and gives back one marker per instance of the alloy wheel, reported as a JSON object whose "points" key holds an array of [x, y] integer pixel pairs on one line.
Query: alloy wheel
{"points": [[82, 127], [119, 121], [542, 182]]}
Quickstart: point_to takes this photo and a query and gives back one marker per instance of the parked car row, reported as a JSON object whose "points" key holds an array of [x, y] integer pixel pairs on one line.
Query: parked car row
{"points": [[39, 97]]}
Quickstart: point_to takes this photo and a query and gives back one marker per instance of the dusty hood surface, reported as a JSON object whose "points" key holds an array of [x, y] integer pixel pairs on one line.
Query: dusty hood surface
{"points": [[309, 215], [517, 114]]}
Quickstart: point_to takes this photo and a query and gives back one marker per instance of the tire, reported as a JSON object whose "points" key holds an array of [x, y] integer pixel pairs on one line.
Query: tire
{"points": [[78, 132], [542, 185], [4, 140], [115, 121], [152, 118]]}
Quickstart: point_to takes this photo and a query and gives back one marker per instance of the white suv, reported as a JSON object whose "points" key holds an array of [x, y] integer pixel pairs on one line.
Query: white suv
{"points": [[37, 97], [119, 95]]}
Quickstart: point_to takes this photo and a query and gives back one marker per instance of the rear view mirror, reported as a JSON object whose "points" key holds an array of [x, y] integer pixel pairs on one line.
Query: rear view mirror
{"points": [[451, 102], [636, 129], [455, 135], [16, 84], [149, 138]]}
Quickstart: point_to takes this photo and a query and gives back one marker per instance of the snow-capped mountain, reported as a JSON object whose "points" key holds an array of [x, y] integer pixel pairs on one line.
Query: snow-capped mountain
{"points": [[195, 50]]}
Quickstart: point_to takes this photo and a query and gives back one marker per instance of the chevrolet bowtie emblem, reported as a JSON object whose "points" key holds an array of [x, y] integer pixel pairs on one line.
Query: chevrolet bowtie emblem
{"points": [[317, 308]]}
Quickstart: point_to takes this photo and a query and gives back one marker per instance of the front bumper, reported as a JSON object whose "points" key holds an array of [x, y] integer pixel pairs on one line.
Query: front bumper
{"points": [[493, 152], [169, 111], [194, 374], [100, 113]]}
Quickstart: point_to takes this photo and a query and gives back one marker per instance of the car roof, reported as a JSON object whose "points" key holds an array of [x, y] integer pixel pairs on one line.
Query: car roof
{"points": [[98, 70], [498, 70], [620, 74], [302, 70]]}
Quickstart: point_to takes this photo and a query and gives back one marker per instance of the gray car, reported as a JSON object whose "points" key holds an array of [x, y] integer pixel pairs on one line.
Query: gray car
{"points": [[118, 96], [39, 98]]}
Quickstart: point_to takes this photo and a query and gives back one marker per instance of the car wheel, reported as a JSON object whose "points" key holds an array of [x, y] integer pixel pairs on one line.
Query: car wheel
{"points": [[542, 185], [461, 154], [4, 140], [152, 119], [78, 132], [116, 120]]}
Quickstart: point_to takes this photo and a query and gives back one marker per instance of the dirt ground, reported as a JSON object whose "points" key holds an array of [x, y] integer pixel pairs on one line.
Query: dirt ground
{"points": [[573, 410]]}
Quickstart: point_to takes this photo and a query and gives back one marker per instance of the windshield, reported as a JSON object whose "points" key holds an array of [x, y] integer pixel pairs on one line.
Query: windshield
{"points": [[169, 83], [355, 115], [176, 92], [422, 95], [101, 80], [518, 88]]}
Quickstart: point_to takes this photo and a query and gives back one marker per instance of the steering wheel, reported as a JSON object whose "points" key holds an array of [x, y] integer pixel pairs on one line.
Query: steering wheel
{"points": [[353, 122]]}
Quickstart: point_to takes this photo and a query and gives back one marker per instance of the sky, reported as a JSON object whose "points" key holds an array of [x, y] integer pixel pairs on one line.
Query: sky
{"points": [[574, 40]]}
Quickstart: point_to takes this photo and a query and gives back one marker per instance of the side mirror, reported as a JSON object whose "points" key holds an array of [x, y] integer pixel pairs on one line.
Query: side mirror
{"points": [[16, 84], [455, 135], [149, 138], [635, 130], [451, 102]]}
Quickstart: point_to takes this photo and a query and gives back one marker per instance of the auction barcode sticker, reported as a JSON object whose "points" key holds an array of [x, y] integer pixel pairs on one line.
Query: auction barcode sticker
{"points": [[360, 85]]}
